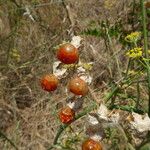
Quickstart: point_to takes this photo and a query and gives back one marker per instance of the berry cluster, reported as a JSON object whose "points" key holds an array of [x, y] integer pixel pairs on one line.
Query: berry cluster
{"points": [[68, 54]]}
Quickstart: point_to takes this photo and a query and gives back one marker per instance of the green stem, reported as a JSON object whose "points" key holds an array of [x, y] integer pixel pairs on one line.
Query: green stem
{"points": [[7, 139], [114, 91], [128, 67], [138, 95], [89, 109], [144, 23], [14, 1], [63, 127], [113, 50], [127, 108]]}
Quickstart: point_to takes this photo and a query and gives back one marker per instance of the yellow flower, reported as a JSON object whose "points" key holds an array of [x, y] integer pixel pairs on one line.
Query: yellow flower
{"points": [[133, 37], [87, 66], [135, 52], [14, 53], [133, 72], [108, 4], [69, 66]]}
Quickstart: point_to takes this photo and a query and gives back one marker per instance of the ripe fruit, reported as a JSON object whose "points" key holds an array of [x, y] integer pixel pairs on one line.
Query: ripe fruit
{"points": [[91, 145], [66, 115], [68, 54], [49, 82], [78, 86]]}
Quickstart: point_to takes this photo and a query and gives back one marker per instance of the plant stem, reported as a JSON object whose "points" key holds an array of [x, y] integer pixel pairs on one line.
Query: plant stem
{"points": [[128, 67], [113, 50], [114, 91], [14, 1], [138, 95], [63, 127], [146, 49], [127, 108], [7, 139]]}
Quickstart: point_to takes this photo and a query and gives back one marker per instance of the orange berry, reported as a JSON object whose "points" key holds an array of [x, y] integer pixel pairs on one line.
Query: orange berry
{"points": [[78, 86], [66, 115], [68, 54], [49, 82], [91, 145]]}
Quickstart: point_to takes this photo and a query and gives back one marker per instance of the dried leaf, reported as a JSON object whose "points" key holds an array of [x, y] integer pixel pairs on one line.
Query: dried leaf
{"points": [[141, 122], [76, 41], [59, 72]]}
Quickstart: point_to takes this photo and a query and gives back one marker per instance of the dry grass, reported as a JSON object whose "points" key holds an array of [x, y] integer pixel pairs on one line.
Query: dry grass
{"points": [[27, 114]]}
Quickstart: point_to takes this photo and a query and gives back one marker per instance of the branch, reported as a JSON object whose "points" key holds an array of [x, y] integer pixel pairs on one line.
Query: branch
{"points": [[144, 23], [63, 127]]}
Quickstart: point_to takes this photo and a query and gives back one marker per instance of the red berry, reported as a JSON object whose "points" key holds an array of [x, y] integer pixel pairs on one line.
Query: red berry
{"points": [[78, 86], [91, 145], [66, 115], [49, 82], [68, 54]]}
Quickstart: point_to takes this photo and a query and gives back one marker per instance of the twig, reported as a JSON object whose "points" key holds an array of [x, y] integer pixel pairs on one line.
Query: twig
{"points": [[7, 139], [69, 16], [14, 1]]}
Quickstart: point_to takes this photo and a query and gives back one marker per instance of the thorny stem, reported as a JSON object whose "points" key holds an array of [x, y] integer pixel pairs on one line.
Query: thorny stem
{"points": [[7, 139], [146, 49]]}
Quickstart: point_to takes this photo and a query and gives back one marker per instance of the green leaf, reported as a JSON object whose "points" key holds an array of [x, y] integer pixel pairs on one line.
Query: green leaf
{"points": [[145, 147]]}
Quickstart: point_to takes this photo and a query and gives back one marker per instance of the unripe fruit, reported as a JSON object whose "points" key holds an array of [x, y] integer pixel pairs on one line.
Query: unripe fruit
{"points": [[78, 86], [66, 115], [68, 54], [49, 82], [91, 145]]}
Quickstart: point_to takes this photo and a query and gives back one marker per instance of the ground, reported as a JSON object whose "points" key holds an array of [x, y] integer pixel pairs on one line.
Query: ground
{"points": [[28, 115]]}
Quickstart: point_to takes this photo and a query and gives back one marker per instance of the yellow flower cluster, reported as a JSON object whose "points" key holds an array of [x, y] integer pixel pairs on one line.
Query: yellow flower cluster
{"points": [[14, 53], [135, 52], [69, 66], [86, 66], [133, 37], [108, 4], [133, 72]]}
